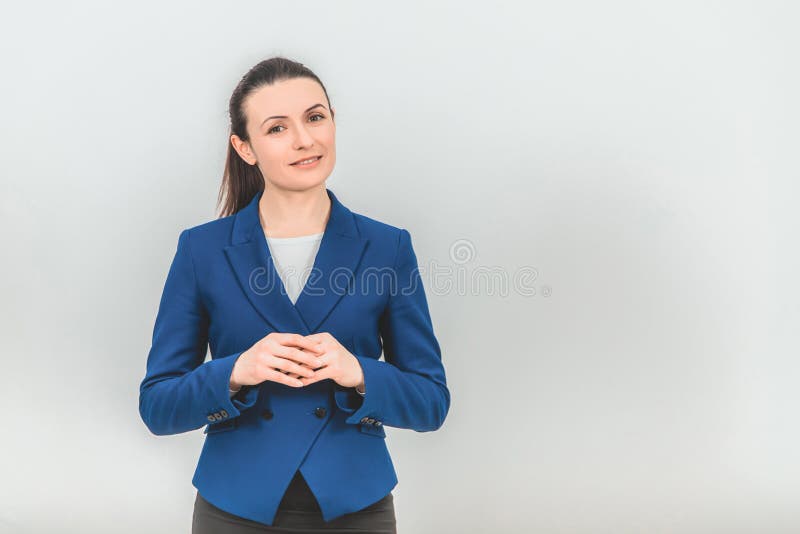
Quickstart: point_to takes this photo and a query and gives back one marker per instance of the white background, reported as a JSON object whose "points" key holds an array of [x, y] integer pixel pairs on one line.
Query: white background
{"points": [[640, 156]]}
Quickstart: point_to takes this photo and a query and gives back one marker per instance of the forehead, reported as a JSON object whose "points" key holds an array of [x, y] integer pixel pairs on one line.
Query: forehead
{"points": [[288, 97]]}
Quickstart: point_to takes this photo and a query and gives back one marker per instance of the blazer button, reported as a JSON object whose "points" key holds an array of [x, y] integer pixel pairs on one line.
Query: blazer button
{"points": [[266, 414], [320, 412], [211, 418]]}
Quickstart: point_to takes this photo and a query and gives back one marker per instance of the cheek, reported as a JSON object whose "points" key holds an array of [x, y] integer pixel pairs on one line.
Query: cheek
{"points": [[330, 149], [328, 136], [271, 154]]}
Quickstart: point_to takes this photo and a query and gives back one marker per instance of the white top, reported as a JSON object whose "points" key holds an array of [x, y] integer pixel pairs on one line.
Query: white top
{"points": [[293, 258]]}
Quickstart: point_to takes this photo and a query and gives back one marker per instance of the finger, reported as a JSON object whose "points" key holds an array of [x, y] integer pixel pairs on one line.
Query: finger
{"points": [[322, 374], [321, 337], [297, 355], [322, 361], [277, 376], [288, 366], [293, 375], [296, 340]]}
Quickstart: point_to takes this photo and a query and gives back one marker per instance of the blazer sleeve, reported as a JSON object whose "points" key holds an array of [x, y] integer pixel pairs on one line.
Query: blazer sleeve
{"points": [[179, 392], [409, 389]]}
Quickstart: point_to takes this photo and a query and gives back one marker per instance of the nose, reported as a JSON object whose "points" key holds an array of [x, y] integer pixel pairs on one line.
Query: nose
{"points": [[303, 138]]}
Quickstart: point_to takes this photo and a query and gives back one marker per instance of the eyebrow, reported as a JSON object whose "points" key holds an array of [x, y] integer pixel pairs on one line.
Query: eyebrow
{"points": [[285, 117]]}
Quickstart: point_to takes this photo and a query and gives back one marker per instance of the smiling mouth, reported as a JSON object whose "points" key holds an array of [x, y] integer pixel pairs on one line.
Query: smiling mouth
{"points": [[310, 160]]}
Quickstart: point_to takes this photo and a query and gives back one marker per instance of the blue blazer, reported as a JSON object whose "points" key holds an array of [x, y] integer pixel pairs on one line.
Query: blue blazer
{"points": [[223, 292]]}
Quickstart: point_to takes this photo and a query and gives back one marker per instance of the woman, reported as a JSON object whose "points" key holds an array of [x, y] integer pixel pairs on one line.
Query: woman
{"points": [[295, 398]]}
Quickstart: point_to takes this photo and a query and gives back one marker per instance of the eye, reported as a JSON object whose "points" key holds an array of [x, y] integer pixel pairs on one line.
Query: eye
{"points": [[320, 115]]}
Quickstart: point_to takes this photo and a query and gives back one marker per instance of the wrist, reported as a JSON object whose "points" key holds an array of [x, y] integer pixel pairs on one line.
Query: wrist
{"points": [[360, 387], [234, 386]]}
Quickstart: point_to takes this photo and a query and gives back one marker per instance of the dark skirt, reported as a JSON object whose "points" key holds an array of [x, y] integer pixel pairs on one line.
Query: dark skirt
{"points": [[298, 513]]}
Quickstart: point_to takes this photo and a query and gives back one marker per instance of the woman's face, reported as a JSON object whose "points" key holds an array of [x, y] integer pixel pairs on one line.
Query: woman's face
{"points": [[287, 122]]}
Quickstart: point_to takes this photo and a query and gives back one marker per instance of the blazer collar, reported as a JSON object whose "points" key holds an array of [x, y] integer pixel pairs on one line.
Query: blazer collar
{"points": [[337, 259]]}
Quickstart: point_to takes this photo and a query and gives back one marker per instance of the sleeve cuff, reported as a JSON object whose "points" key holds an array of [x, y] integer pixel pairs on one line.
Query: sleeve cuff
{"points": [[233, 402], [346, 398], [369, 403]]}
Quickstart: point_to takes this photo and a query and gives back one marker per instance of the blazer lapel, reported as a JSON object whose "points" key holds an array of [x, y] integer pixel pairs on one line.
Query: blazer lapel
{"points": [[337, 259]]}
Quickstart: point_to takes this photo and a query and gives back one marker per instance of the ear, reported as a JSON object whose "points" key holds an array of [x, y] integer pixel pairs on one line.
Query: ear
{"points": [[243, 149]]}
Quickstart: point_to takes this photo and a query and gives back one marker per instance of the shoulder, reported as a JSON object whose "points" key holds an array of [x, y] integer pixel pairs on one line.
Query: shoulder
{"points": [[206, 241], [373, 228], [392, 238], [214, 231], [394, 242]]}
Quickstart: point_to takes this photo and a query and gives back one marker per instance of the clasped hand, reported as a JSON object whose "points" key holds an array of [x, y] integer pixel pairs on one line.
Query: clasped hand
{"points": [[297, 361]]}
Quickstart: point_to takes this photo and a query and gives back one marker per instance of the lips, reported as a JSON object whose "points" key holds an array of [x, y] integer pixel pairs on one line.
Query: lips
{"points": [[304, 159]]}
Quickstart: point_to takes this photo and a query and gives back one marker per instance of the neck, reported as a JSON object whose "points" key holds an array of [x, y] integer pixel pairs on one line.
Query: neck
{"points": [[285, 213]]}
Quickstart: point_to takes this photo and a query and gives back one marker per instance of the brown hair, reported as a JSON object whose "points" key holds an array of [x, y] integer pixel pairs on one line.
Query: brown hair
{"points": [[242, 181]]}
